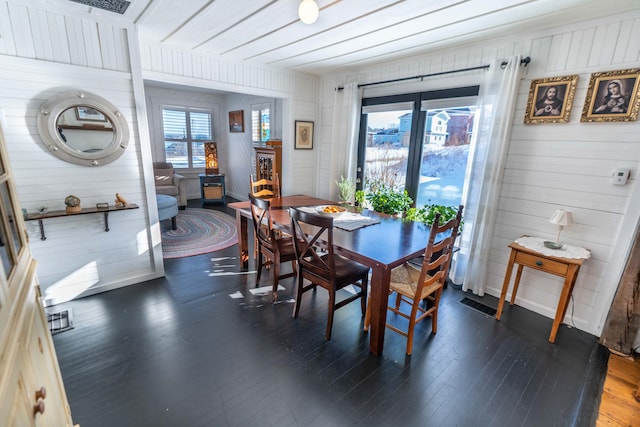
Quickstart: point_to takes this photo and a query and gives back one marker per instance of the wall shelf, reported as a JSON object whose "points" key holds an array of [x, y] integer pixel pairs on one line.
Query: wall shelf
{"points": [[85, 211]]}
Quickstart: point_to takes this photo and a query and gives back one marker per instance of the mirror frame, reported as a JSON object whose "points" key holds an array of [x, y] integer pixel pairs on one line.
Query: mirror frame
{"points": [[47, 128]]}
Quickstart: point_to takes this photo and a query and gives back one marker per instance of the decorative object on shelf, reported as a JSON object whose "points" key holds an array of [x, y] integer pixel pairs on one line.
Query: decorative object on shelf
{"points": [[612, 96], [561, 218], [72, 203], [346, 189], [236, 121], [120, 201], [43, 209], [550, 100], [102, 205], [211, 158], [308, 11], [304, 135]]}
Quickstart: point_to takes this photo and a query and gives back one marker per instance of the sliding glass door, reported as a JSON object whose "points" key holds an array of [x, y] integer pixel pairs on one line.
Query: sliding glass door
{"points": [[418, 142]]}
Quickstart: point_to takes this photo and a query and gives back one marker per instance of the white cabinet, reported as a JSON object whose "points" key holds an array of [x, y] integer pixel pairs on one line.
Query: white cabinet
{"points": [[31, 388]]}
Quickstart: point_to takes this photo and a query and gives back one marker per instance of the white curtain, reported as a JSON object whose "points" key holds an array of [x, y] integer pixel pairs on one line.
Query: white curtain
{"points": [[497, 100], [346, 125]]}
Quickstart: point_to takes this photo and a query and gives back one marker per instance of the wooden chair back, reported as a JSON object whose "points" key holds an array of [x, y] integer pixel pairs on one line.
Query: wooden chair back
{"points": [[272, 248], [312, 236], [421, 289], [262, 223], [314, 251], [265, 188], [438, 253]]}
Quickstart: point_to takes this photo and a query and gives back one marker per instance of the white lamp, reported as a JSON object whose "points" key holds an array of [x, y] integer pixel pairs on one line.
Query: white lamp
{"points": [[561, 218], [308, 11]]}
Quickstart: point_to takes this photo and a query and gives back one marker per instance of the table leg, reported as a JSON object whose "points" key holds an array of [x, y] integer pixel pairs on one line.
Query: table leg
{"points": [[243, 240], [567, 288], [379, 298], [516, 283], [505, 284]]}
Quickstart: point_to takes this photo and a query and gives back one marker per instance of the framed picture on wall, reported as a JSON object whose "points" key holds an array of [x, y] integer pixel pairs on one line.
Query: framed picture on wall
{"points": [[304, 135], [612, 96], [550, 100], [88, 114], [236, 121]]}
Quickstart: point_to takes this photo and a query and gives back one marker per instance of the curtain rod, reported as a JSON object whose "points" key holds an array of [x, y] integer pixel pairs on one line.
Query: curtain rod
{"points": [[525, 61]]}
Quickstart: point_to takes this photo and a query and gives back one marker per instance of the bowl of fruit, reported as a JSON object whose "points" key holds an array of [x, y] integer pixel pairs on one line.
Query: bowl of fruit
{"points": [[331, 210]]}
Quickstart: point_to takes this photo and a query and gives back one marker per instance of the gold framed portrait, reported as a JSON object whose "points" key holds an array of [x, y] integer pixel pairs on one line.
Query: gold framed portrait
{"points": [[550, 100], [612, 96]]}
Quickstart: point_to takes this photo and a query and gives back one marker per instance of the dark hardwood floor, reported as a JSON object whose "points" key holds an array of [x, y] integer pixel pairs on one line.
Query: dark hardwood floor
{"points": [[181, 351]]}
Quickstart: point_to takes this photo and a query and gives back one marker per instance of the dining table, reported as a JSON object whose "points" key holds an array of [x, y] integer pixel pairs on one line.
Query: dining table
{"points": [[382, 246]]}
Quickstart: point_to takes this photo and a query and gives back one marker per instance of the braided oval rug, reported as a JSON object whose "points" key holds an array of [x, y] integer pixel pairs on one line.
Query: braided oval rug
{"points": [[199, 231]]}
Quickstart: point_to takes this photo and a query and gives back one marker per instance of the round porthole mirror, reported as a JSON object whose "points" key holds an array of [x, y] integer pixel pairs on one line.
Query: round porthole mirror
{"points": [[83, 128]]}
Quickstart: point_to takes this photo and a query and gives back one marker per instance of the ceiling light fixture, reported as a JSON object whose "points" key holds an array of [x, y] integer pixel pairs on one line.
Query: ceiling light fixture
{"points": [[308, 11]]}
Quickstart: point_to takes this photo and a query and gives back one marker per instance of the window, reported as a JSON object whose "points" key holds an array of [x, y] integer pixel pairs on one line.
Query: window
{"points": [[260, 123], [185, 133], [418, 142]]}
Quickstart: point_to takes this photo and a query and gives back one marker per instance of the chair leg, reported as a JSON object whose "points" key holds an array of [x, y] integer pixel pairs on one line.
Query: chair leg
{"points": [[174, 225], [296, 305], [332, 309], [434, 314], [259, 267], [364, 288], [276, 279], [412, 325]]}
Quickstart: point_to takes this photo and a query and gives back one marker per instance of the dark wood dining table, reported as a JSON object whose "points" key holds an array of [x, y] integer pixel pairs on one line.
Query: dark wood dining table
{"points": [[381, 247]]}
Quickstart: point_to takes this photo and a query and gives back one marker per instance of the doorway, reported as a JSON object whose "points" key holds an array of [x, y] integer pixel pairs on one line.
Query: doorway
{"points": [[418, 142]]}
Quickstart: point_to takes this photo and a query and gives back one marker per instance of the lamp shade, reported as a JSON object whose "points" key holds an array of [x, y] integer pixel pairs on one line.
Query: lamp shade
{"points": [[561, 217], [308, 11], [211, 158]]}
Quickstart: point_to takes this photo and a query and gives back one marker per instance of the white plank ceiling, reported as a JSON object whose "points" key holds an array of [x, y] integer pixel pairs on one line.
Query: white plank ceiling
{"points": [[347, 33]]}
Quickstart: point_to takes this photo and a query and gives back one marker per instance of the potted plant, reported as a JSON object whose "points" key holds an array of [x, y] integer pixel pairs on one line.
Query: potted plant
{"points": [[360, 198], [389, 201], [346, 189], [427, 214]]}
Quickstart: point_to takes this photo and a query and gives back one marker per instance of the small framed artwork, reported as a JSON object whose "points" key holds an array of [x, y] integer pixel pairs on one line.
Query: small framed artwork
{"points": [[88, 114], [550, 100], [236, 121], [304, 135], [612, 96]]}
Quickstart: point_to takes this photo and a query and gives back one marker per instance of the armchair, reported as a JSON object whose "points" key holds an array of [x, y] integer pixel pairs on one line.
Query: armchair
{"points": [[170, 183]]}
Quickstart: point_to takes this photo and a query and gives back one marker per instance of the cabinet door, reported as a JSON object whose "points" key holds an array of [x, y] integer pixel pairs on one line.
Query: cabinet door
{"points": [[27, 357], [42, 371]]}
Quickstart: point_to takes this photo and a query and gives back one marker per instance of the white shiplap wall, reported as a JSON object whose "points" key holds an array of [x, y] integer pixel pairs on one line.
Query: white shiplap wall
{"points": [[78, 255], [41, 54], [548, 166], [296, 92]]}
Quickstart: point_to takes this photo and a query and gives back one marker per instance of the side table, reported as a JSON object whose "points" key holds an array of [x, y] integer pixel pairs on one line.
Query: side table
{"points": [[212, 188], [559, 266]]}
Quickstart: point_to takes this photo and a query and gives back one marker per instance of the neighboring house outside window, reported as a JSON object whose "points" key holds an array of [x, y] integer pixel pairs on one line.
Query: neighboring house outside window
{"points": [[185, 133]]}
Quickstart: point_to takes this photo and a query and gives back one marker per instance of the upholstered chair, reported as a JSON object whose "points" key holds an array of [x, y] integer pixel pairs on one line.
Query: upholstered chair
{"points": [[170, 183]]}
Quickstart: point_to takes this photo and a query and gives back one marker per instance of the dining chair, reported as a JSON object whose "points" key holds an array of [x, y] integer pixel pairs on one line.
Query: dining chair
{"points": [[265, 188], [321, 266], [416, 287], [276, 249]]}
